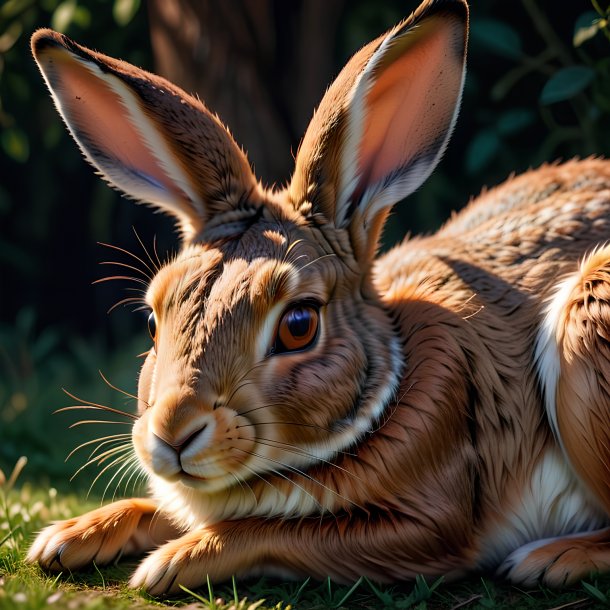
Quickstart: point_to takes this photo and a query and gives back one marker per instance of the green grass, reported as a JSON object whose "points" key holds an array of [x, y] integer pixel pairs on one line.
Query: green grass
{"points": [[25, 508], [34, 365]]}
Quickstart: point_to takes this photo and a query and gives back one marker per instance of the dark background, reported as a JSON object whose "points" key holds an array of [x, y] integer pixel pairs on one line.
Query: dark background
{"points": [[531, 96]]}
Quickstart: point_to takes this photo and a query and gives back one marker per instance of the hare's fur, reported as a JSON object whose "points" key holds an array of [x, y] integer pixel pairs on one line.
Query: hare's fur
{"points": [[449, 411]]}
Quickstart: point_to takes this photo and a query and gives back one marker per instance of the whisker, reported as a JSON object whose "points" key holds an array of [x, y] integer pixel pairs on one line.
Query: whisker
{"points": [[299, 472], [116, 461], [267, 405], [83, 422], [283, 476], [127, 301], [128, 278], [286, 423], [302, 452], [125, 467], [159, 263], [100, 458], [95, 440], [155, 267], [141, 475], [108, 453], [244, 484], [113, 444], [125, 266], [134, 256], [124, 392], [135, 470], [88, 404], [92, 408], [315, 260], [243, 382]]}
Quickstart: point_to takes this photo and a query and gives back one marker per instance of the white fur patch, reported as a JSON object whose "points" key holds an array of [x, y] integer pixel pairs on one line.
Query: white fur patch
{"points": [[547, 350], [552, 504]]}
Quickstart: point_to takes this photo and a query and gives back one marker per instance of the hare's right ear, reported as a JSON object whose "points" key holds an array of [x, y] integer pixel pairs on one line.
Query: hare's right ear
{"points": [[383, 124], [145, 136]]}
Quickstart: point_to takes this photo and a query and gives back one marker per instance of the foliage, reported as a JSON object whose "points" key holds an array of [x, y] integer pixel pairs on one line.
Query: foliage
{"points": [[571, 87], [32, 367]]}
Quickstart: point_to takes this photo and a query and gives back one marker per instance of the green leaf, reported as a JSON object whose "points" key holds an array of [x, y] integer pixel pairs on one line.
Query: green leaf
{"points": [[515, 120], [594, 592], [481, 151], [12, 8], [15, 144], [10, 36], [498, 37], [566, 83], [124, 11], [586, 27], [82, 17], [63, 15]]}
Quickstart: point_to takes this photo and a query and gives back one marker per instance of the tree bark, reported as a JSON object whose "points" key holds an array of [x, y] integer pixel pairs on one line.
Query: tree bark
{"points": [[261, 65]]}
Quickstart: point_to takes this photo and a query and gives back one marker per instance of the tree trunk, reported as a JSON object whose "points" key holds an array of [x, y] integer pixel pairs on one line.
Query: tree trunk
{"points": [[262, 65]]}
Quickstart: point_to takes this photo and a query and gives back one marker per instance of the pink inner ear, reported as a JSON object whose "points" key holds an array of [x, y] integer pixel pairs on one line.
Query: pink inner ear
{"points": [[412, 101], [98, 113]]}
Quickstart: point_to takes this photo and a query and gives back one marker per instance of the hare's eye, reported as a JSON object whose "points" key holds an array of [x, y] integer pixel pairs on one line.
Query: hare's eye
{"points": [[298, 329], [152, 325]]}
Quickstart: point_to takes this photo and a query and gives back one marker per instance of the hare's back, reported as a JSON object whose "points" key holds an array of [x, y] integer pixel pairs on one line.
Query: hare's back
{"points": [[536, 194], [525, 234]]}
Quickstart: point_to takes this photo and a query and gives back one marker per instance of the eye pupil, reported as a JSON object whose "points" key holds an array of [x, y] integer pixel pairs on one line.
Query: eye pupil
{"points": [[297, 330], [299, 322], [152, 325]]}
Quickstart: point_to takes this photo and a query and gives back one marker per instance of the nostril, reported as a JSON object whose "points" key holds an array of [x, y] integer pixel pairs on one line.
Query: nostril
{"points": [[181, 445], [193, 433]]}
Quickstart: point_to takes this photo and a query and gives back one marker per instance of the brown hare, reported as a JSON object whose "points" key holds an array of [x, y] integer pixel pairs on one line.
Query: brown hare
{"points": [[310, 409]]}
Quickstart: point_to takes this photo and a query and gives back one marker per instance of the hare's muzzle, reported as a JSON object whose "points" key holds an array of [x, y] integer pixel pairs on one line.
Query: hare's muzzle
{"points": [[192, 442]]}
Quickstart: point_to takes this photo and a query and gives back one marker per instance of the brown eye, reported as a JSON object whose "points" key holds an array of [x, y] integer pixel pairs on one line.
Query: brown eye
{"points": [[297, 330], [152, 325]]}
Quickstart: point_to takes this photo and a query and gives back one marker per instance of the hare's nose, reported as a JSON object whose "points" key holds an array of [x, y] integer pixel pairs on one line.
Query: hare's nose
{"points": [[182, 444], [193, 434]]}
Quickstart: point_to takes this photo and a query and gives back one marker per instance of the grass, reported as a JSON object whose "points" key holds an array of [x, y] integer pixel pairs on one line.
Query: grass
{"points": [[25, 508], [33, 366]]}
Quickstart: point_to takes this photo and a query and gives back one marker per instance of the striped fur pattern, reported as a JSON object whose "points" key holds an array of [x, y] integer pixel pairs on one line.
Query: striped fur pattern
{"points": [[308, 409]]}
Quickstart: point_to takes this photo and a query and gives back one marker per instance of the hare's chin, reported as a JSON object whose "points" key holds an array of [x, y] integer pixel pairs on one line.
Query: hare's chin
{"points": [[205, 484]]}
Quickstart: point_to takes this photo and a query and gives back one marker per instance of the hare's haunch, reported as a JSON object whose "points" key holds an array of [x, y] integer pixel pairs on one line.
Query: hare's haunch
{"points": [[308, 409]]}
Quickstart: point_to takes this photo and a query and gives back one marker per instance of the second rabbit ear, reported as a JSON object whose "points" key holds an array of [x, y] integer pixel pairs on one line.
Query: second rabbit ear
{"points": [[145, 136], [384, 123]]}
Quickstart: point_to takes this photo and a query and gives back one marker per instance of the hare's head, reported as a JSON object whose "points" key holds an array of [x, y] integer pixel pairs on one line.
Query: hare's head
{"points": [[271, 349]]}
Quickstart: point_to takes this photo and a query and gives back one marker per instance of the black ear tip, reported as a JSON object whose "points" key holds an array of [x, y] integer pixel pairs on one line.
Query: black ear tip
{"points": [[451, 8], [46, 38]]}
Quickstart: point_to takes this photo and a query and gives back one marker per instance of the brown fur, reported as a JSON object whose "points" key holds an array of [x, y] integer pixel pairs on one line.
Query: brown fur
{"points": [[411, 437]]}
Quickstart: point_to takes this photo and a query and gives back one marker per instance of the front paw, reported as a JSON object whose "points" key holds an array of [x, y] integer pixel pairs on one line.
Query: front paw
{"points": [[99, 536], [188, 561]]}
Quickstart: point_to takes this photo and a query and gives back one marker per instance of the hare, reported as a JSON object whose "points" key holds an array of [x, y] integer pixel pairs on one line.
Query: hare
{"points": [[310, 409]]}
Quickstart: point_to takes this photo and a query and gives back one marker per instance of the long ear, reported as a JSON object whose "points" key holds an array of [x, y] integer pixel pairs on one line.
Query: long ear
{"points": [[145, 136], [384, 123]]}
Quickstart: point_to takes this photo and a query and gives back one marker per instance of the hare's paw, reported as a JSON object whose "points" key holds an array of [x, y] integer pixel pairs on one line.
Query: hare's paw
{"points": [[556, 562], [179, 562], [187, 561], [99, 536]]}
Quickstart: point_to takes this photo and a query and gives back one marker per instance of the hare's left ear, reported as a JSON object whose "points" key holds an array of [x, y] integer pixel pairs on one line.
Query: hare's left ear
{"points": [[384, 123], [145, 136]]}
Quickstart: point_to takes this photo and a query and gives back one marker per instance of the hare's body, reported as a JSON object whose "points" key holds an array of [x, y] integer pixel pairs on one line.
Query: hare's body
{"points": [[308, 410], [474, 300]]}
